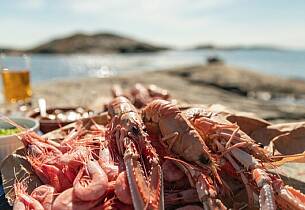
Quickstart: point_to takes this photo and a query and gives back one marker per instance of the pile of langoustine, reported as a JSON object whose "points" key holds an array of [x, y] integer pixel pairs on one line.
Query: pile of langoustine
{"points": [[154, 156]]}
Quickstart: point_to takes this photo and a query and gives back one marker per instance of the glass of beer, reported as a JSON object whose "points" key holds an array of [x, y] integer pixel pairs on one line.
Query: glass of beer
{"points": [[16, 78]]}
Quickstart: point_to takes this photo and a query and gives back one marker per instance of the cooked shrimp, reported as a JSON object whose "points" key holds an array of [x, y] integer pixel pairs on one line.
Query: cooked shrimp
{"points": [[91, 183]]}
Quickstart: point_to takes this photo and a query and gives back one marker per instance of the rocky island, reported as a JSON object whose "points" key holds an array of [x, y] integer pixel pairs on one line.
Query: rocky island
{"points": [[90, 44]]}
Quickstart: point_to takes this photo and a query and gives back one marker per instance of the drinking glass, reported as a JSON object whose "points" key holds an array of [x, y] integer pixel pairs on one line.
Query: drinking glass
{"points": [[16, 78]]}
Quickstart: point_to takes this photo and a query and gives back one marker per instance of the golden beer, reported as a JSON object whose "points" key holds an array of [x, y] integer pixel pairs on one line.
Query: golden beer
{"points": [[16, 85]]}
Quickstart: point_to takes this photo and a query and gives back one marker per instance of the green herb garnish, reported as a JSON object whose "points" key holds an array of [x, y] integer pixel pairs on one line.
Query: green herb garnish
{"points": [[9, 131]]}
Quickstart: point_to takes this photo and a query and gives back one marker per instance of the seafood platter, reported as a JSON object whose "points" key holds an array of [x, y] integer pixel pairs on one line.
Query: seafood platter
{"points": [[148, 151]]}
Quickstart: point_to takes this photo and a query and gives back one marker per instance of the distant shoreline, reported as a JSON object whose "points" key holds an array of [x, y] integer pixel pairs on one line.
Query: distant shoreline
{"points": [[240, 47], [11, 51], [101, 43]]}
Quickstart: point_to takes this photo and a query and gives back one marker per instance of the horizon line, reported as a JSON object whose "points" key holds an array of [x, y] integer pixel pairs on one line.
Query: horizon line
{"points": [[207, 44]]}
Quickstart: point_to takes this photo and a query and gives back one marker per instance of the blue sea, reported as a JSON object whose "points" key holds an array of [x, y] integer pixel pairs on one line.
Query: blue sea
{"points": [[288, 64]]}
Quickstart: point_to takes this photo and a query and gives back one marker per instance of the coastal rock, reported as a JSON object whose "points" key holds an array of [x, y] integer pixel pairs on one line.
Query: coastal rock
{"points": [[205, 84]]}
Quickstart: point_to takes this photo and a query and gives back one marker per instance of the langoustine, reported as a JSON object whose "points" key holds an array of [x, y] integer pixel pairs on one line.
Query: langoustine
{"points": [[247, 159], [180, 137], [129, 144]]}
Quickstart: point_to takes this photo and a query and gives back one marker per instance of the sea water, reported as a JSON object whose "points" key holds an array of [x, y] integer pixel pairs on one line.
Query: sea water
{"points": [[288, 64]]}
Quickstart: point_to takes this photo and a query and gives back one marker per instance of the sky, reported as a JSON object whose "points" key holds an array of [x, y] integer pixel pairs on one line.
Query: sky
{"points": [[177, 23]]}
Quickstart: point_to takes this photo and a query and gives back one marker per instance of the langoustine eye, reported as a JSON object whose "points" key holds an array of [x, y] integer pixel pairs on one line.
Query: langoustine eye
{"points": [[204, 159], [135, 130]]}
